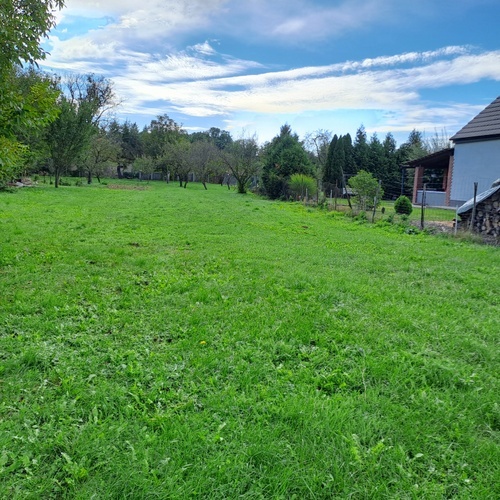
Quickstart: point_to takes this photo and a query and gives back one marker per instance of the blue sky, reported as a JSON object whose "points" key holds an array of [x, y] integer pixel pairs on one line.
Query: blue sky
{"points": [[251, 66]]}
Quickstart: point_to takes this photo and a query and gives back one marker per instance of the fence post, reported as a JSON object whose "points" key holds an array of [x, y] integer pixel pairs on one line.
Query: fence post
{"points": [[473, 215], [375, 201], [423, 206]]}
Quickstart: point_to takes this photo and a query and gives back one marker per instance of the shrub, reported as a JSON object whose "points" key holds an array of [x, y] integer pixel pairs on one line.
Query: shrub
{"points": [[367, 189], [403, 205], [302, 185]]}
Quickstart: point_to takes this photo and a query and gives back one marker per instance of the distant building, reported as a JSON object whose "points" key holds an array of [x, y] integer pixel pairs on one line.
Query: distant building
{"points": [[450, 174]]}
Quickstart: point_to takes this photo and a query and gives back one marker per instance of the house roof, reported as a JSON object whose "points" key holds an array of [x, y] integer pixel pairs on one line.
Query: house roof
{"points": [[439, 159], [486, 125], [479, 198]]}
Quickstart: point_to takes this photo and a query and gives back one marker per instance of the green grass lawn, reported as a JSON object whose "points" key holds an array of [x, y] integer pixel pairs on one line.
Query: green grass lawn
{"points": [[183, 343]]}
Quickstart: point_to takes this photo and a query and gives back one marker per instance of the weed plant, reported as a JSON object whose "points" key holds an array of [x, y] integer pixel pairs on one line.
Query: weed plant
{"points": [[183, 343]]}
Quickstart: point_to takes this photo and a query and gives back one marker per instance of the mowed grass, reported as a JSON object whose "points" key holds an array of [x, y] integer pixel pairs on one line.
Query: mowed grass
{"points": [[183, 343]]}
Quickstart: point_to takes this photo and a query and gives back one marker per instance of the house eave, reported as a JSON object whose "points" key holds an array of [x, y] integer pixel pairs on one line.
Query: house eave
{"points": [[482, 138]]}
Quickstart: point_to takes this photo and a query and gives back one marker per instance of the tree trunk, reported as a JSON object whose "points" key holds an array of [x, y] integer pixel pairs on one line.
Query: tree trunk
{"points": [[242, 187], [204, 185], [89, 177]]}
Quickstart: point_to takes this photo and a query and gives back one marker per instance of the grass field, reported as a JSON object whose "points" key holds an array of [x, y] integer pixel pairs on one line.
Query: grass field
{"points": [[182, 343]]}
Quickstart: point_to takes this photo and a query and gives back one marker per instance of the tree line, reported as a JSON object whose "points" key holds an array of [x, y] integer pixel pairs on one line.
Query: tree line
{"points": [[53, 125]]}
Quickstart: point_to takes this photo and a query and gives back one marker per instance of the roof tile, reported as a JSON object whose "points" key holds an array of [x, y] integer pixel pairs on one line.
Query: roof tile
{"points": [[485, 125]]}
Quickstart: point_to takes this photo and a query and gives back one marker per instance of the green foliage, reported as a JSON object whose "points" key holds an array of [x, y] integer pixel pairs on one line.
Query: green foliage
{"points": [[414, 147], [333, 176], [361, 149], [367, 189], [204, 160], [282, 157], [23, 109], [241, 158], [128, 140], [27, 105], [12, 157], [176, 159], [69, 135], [24, 23], [101, 156], [339, 164], [221, 139], [403, 205], [144, 166], [159, 136], [82, 105], [302, 185]]}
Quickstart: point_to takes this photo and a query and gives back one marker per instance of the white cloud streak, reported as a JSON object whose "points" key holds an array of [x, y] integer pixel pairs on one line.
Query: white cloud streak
{"points": [[199, 81]]}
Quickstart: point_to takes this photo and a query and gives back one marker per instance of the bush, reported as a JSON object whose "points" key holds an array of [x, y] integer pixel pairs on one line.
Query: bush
{"points": [[367, 190], [403, 205], [302, 186]]}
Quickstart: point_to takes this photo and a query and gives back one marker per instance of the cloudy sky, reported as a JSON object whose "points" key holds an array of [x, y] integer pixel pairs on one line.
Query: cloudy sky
{"points": [[251, 66]]}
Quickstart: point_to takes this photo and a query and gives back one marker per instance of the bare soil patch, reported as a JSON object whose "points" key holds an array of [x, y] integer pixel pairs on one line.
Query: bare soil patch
{"points": [[122, 186]]}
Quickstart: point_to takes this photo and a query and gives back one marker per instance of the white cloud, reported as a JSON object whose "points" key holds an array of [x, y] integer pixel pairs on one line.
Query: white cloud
{"points": [[148, 50], [200, 82], [154, 19], [332, 19]]}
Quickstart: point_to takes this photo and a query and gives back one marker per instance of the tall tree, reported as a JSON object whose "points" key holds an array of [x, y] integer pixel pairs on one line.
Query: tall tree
{"points": [[391, 178], [317, 144], [81, 108], [375, 163], [414, 147], [328, 171], [220, 138], [339, 153], [283, 156], [23, 23], [158, 138], [361, 149], [131, 144], [27, 104], [350, 164]]}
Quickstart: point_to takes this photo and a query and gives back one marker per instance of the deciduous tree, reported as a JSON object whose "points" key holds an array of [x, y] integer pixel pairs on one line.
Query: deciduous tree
{"points": [[101, 155], [242, 160], [23, 23], [203, 157], [84, 100], [27, 105], [366, 188]]}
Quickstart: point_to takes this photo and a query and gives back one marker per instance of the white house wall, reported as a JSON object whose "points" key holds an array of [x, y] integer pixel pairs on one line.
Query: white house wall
{"points": [[474, 162]]}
